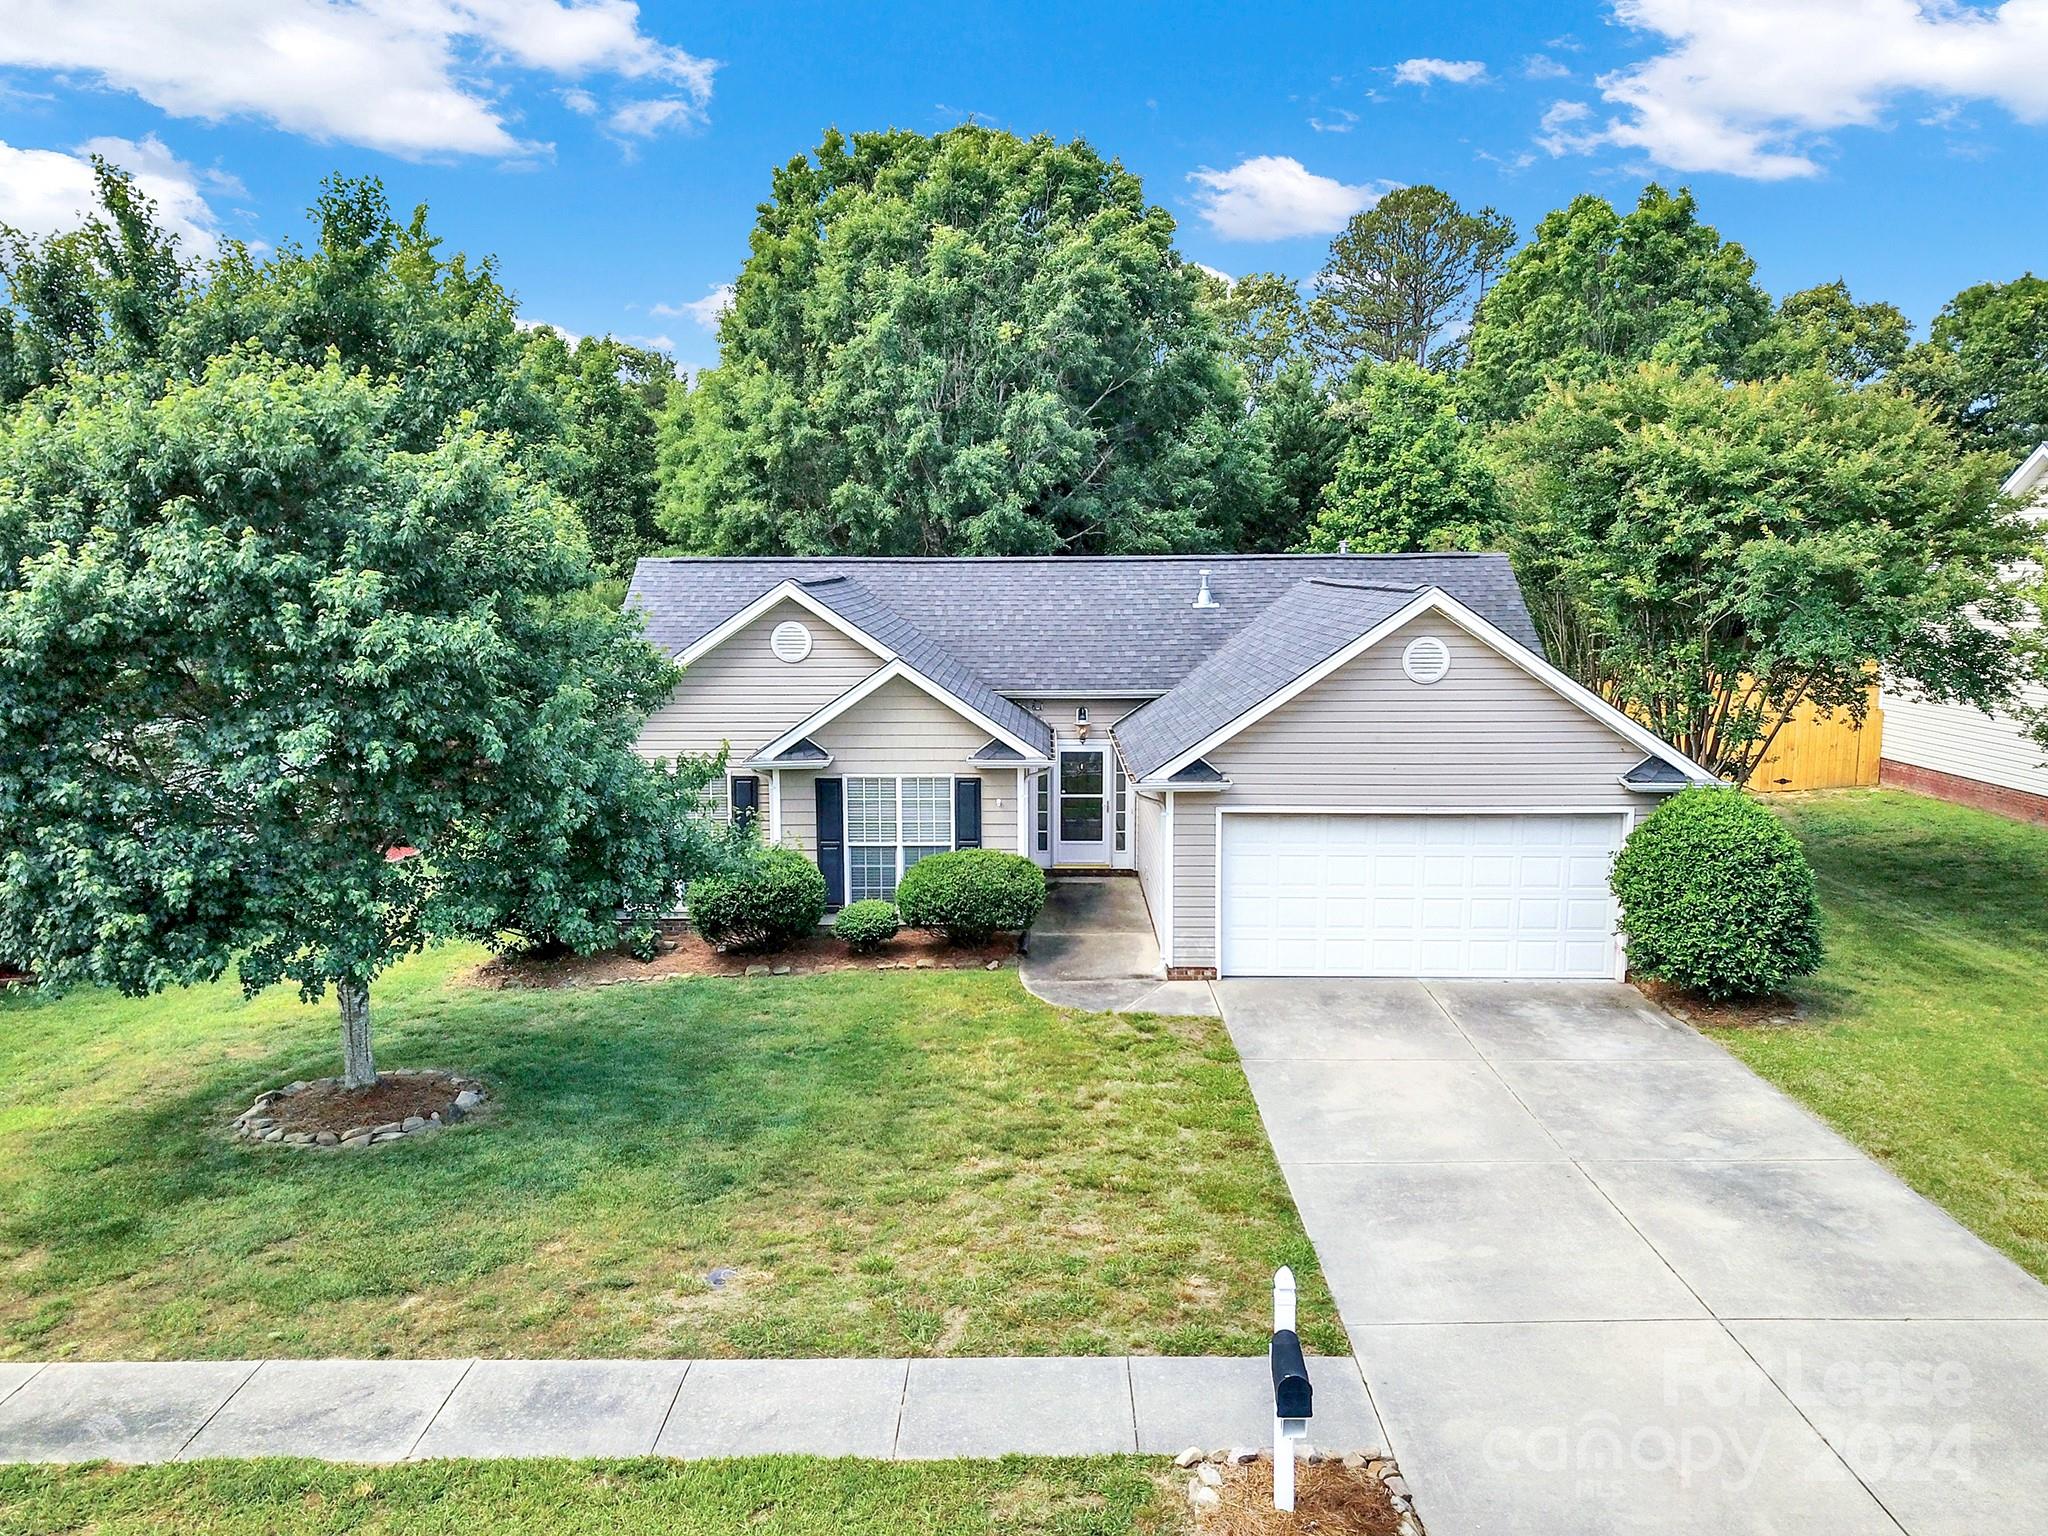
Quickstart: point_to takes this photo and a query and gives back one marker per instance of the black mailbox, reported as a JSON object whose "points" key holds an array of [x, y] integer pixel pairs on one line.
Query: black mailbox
{"points": [[1293, 1396]]}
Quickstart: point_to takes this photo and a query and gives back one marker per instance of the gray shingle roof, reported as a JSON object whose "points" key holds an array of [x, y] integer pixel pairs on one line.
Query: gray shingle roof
{"points": [[995, 752], [1653, 773], [853, 602], [805, 751], [1200, 771], [1111, 626], [1307, 624]]}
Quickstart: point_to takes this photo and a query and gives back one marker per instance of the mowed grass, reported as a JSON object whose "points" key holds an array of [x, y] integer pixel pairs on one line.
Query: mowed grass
{"points": [[1925, 1037], [765, 1496], [931, 1163]]}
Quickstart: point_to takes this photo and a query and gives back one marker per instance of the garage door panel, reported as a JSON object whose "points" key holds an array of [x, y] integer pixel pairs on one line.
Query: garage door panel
{"points": [[1364, 895]]}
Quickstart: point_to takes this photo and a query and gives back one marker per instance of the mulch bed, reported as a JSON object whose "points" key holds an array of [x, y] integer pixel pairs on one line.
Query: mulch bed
{"points": [[327, 1106], [1330, 1499], [691, 956], [1743, 1013]]}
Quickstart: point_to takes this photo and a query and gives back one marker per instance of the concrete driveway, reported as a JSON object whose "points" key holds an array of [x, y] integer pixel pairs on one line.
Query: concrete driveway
{"points": [[1602, 1278]]}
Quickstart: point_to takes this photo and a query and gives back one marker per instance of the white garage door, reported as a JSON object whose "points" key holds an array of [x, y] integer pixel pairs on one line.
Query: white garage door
{"points": [[1418, 895]]}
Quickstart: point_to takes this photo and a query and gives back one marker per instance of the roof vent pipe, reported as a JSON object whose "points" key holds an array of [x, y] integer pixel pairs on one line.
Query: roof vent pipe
{"points": [[1205, 598]]}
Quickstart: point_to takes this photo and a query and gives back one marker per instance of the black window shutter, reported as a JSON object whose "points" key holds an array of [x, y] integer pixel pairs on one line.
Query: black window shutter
{"points": [[831, 795], [746, 800], [967, 813]]}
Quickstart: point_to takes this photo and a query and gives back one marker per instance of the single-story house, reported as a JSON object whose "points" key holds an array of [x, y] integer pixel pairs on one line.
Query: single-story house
{"points": [[1316, 765], [1957, 751]]}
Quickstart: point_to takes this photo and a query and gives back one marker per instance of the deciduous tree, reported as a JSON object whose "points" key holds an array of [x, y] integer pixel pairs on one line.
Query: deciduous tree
{"points": [[1711, 556], [1410, 476], [1984, 366], [1595, 292], [961, 344], [287, 693]]}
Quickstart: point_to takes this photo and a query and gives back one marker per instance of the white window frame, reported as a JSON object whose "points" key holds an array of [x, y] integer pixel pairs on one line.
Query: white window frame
{"points": [[900, 845]]}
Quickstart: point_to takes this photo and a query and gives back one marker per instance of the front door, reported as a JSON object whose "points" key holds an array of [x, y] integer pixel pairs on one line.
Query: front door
{"points": [[1080, 813]]}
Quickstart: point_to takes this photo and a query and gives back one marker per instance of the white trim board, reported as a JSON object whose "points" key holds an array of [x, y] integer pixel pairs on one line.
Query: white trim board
{"points": [[1436, 600], [897, 668]]}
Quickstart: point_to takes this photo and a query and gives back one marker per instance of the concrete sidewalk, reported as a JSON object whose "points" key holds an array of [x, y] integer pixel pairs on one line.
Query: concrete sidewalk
{"points": [[398, 1410], [1093, 948]]}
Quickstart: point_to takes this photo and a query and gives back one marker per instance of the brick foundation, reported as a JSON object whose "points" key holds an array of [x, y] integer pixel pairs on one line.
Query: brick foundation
{"points": [[1191, 973], [2020, 804]]}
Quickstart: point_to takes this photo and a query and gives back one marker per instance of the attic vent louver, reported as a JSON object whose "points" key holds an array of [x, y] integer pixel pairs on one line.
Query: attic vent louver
{"points": [[1205, 598]]}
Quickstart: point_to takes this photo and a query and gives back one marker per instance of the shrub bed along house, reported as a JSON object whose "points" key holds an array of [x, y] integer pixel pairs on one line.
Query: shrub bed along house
{"points": [[772, 899], [865, 926], [1717, 897], [971, 894]]}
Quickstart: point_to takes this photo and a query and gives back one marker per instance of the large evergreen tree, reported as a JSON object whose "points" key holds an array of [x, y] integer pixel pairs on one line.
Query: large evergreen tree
{"points": [[961, 344], [1403, 278]]}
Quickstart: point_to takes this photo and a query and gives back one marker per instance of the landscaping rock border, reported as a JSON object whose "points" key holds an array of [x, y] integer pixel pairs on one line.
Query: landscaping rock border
{"points": [[258, 1124], [1202, 1488]]}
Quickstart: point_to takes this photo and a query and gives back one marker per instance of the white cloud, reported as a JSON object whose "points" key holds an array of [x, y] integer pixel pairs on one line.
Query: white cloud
{"points": [[580, 101], [651, 343], [1219, 274], [1562, 131], [1427, 71], [704, 311], [1541, 66], [1276, 197], [47, 191], [644, 119], [1339, 121], [412, 77], [1748, 87]]}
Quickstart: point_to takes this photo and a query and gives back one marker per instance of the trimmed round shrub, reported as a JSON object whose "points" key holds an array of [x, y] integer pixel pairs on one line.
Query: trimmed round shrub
{"points": [[772, 898], [865, 926], [1717, 897], [971, 894]]}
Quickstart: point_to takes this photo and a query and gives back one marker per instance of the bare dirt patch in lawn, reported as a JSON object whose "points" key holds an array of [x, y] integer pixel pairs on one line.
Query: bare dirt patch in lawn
{"points": [[692, 956]]}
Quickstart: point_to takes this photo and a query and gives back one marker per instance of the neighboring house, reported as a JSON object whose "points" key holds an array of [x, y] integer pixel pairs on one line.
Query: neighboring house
{"points": [[1337, 765], [1959, 752]]}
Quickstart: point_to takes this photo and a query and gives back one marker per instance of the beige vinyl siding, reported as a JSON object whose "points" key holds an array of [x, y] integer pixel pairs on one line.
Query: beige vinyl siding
{"points": [[1148, 853], [900, 731], [1194, 879], [1488, 737], [740, 693]]}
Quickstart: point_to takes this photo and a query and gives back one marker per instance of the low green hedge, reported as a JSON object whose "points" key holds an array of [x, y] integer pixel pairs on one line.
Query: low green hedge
{"points": [[865, 926], [971, 894], [773, 898], [1717, 897]]}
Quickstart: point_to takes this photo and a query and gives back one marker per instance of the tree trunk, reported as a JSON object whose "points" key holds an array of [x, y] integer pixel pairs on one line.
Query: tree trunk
{"points": [[358, 1066]]}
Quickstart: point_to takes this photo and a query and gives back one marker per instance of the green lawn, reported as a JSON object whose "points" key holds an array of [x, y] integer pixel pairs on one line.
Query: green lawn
{"points": [[766, 1496], [1926, 1031], [929, 1163]]}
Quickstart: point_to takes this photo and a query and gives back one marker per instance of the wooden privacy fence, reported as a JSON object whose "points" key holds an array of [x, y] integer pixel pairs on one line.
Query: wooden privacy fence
{"points": [[1812, 753]]}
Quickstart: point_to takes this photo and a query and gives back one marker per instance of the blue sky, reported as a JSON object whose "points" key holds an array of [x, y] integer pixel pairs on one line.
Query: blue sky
{"points": [[612, 155]]}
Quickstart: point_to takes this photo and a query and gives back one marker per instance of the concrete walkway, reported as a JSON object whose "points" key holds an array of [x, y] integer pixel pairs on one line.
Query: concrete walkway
{"points": [[1602, 1278], [398, 1410], [1093, 947]]}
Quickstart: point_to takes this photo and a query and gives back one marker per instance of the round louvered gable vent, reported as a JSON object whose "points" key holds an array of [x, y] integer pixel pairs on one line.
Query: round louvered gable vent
{"points": [[1426, 660], [790, 642]]}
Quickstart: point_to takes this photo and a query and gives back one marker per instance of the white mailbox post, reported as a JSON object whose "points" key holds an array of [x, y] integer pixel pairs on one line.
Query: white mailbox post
{"points": [[1293, 1396]]}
